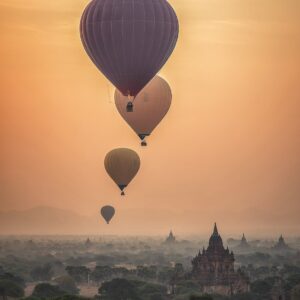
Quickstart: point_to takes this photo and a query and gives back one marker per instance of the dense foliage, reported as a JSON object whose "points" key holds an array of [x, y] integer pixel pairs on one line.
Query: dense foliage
{"points": [[138, 268]]}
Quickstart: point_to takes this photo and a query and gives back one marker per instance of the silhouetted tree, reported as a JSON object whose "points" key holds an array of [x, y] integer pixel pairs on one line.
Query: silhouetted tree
{"points": [[46, 290], [262, 287], [10, 289], [67, 284], [102, 273], [156, 296], [42, 273], [246, 296], [295, 295], [72, 297], [165, 274], [206, 297], [292, 281], [11, 277], [147, 272], [118, 289], [79, 274]]}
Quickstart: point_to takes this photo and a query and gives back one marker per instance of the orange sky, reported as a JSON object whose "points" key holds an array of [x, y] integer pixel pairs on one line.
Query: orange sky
{"points": [[229, 149]]}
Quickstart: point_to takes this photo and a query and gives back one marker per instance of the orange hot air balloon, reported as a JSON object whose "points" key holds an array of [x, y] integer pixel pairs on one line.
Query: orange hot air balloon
{"points": [[122, 165], [150, 107], [107, 213]]}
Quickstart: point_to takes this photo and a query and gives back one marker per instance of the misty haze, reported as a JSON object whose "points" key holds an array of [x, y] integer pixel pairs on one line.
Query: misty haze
{"points": [[150, 149]]}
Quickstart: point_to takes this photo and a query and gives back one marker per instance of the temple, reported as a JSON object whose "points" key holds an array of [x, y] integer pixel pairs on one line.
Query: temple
{"points": [[170, 239], [213, 269], [88, 243], [243, 245], [281, 245]]}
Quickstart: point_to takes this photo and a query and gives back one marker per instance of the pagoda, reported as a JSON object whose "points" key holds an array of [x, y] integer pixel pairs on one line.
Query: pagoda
{"points": [[88, 243], [171, 238], [213, 269], [243, 245], [281, 245]]}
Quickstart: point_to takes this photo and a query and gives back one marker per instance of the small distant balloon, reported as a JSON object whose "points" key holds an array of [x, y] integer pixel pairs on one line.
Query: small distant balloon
{"points": [[107, 213], [150, 107], [122, 165]]}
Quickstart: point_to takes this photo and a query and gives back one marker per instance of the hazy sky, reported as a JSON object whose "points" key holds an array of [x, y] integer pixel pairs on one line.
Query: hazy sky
{"points": [[229, 149]]}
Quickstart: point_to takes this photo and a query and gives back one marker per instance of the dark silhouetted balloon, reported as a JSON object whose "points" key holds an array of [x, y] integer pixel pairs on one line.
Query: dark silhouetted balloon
{"points": [[129, 40], [107, 213], [150, 107], [122, 165]]}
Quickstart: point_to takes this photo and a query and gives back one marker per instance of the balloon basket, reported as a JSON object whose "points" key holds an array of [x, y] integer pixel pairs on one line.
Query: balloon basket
{"points": [[129, 107]]}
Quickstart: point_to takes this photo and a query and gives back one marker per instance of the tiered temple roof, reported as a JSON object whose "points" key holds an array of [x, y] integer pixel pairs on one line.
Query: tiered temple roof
{"points": [[213, 270], [215, 265]]}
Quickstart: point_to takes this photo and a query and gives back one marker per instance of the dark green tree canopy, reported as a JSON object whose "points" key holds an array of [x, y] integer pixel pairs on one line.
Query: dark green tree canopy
{"points": [[11, 277], [42, 273], [9, 288], [118, 289], [67, 284], [46, 290], [206, 297]]}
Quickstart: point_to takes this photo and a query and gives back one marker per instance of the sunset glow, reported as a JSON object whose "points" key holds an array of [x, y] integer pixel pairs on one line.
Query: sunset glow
{"points": [[228, 150]]}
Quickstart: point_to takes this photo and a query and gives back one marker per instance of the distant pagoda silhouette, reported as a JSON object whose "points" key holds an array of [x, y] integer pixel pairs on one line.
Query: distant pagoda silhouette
{"points": [[243, 245], [281, 245], [213, 269], [88, 243], [170, 239]]}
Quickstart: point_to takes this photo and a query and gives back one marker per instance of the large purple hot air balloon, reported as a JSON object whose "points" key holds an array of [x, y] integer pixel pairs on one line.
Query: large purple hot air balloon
{"points": [[129, 40]]}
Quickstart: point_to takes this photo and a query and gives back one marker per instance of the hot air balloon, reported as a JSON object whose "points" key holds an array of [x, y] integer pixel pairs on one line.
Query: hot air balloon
{"points": [[107, 213], [129, 41], [151, 105], [122, 165]]}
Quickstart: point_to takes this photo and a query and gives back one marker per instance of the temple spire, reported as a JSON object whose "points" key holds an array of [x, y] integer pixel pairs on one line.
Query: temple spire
{"points": [[215, 240], [215, 233], [171, 237], [281, 239]]}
